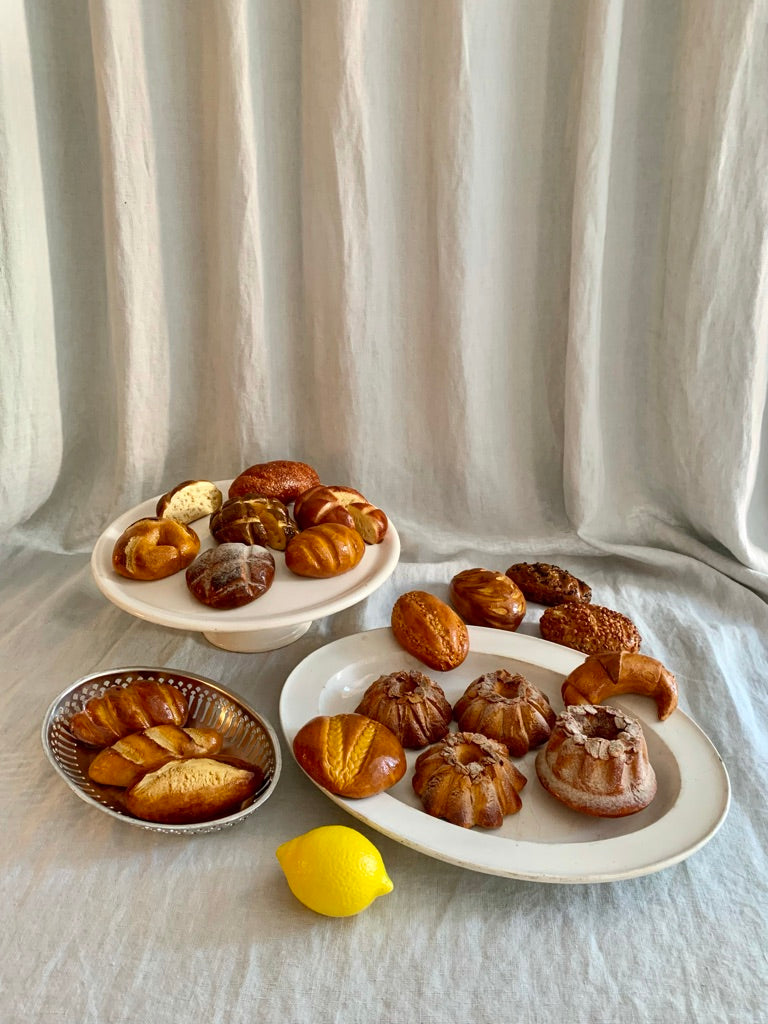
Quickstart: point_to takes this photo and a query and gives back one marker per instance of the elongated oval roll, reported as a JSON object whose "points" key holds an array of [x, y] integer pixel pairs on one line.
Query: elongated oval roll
{"points": [[323, 551]]}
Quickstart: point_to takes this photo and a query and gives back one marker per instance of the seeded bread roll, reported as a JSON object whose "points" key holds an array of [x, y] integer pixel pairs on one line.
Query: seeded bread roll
{"points": [[589, 628], [549, 584], [190, 501]]}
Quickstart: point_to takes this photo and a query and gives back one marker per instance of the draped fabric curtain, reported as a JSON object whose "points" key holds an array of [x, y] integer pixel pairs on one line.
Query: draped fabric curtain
{"points": [[499, 264]]}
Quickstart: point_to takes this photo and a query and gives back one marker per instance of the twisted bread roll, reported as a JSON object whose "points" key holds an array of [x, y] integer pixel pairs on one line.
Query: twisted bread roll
{"points": [[129, 758], [151, 549], [121, 710]]}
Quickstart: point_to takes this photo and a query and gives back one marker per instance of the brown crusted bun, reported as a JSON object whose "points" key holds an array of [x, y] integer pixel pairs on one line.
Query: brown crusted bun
{"points": [[324, 551], [549, 584], [151, 549], [231, 575], [188, 791], [253, 520], [190, 501], [350, 755], [430, 630], [336, 504], [121, 710], [485, 598], [129, 758], [589, 628], [409, 703], [603, 676], [279, 479]]}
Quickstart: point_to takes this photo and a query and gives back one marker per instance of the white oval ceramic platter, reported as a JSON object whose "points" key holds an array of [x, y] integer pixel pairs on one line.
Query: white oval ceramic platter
{"points": [[545, 841], [280, 616]]}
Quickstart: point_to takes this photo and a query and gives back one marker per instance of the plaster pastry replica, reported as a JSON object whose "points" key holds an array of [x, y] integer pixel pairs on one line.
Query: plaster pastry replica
{"points": [[335, 504], [411, 704], [349, 754], [468, 779], [253, 520], [153, 548], [320, 552], [603, 676], [194, 790], [507, 708], [122, 710], [549, 584], [430, 630], [124, 763], [589, 628], [486, 598], [231, 575], [281, 479], [596, 762], [190, 501]]}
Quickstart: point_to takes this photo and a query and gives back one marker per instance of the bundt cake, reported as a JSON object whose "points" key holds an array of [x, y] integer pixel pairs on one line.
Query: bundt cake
{"points": [[409, 703], [596, 762], [468, 779], [507, 708]]}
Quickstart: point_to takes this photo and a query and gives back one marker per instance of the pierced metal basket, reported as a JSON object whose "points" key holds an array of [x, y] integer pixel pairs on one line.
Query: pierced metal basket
{"points": [[247, 736]]}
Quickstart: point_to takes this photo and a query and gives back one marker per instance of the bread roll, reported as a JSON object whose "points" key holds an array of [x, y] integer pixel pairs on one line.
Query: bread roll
{"points": [[231, 575], [486, 598], [430, 630], [324, 551], [189, 791], [336, 504], [121, 710], [549, 584], [129, 758], [151, 549], [350, 755], [189, 501], [603, 676], [589, 628], [253, 520], [281, 479]]}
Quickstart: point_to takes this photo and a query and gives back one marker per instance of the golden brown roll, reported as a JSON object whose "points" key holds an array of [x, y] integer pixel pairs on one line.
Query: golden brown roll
{"points": [[153, 548], [190, 791], [253, 520], [336, 504], [409, 703], [430, 630], [324, 551], [129, 758], [349, 754], [121, 710], [486, 598], [603, 676]]}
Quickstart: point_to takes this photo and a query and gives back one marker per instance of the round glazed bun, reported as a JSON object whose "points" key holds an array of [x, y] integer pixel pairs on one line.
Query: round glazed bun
{"points": [[153, 548], [279, 479]]}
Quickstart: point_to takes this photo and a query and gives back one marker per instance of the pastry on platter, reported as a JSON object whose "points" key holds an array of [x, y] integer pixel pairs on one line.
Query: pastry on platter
{"points": [[603, 676], [409, 703], [507, 708], [430, 630]]}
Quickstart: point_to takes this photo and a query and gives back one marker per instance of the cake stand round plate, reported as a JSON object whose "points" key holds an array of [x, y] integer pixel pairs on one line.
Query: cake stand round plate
{"points": [[276, 619]]}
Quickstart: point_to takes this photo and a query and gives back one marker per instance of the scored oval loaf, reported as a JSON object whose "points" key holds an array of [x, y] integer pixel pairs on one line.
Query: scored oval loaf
{"points": [[121, 710], [349, 754], [320, 552], [192, 790], [129, 758], [430, 630]]}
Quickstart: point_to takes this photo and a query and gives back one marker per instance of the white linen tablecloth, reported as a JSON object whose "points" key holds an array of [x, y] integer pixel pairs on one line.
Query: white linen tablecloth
{"points": [[106, 923]]}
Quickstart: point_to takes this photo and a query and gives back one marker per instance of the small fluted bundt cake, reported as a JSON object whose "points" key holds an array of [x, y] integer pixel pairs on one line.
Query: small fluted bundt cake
{"points": [[596, 762], [411, 705], [507, 708], [468, 779]]}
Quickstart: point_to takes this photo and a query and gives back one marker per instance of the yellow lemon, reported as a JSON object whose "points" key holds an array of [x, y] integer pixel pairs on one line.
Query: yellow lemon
{"points": [[334, 870]]}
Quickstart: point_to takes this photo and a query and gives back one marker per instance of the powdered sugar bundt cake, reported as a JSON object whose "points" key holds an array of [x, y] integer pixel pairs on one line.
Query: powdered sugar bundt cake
{"points": [[507, 708], [409, 703], [596, 762], [468, 779]]}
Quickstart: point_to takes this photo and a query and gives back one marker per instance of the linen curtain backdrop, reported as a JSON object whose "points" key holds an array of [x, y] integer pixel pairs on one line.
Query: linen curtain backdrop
{"points": [[501, 265]]}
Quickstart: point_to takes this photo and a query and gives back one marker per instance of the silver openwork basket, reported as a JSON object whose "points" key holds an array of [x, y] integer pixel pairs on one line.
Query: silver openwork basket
{"points": [[247, 736]]}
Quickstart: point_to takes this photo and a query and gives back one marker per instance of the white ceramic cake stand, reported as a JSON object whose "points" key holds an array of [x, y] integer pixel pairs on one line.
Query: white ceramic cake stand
{"points": [[274, 620]]}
